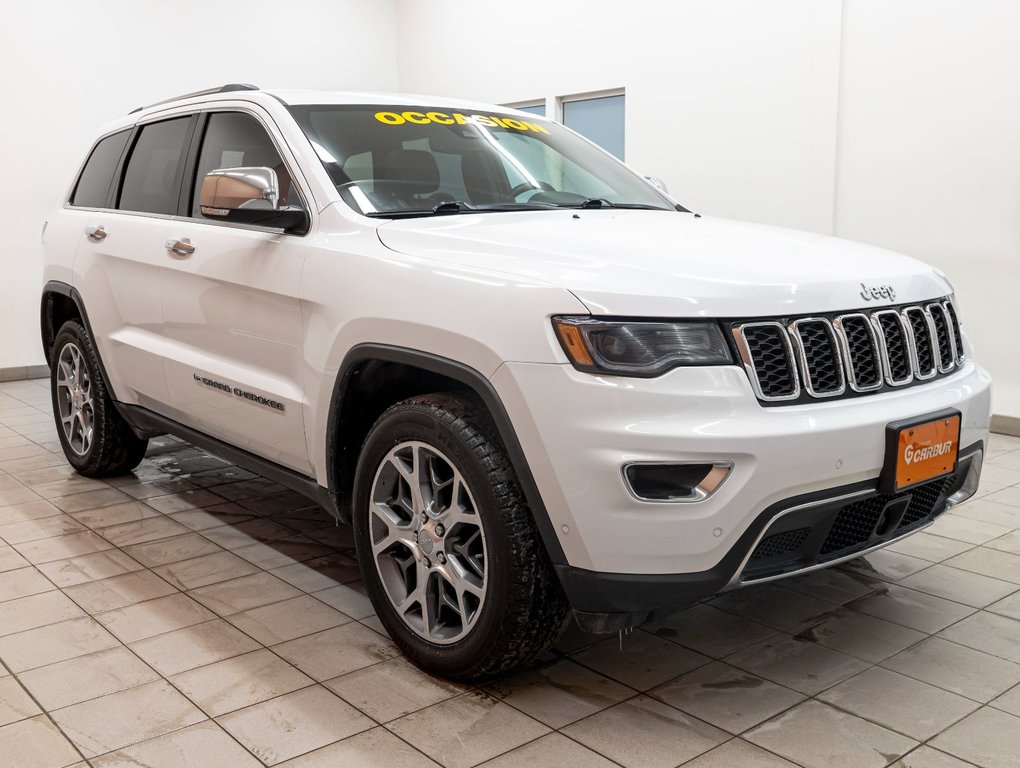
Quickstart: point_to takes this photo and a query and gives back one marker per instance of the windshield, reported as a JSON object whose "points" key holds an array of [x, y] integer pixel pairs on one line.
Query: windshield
{"points": [[395, 161]]}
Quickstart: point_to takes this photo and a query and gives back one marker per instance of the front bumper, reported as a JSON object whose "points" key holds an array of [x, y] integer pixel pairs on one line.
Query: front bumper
{"points": [[624, 555]]}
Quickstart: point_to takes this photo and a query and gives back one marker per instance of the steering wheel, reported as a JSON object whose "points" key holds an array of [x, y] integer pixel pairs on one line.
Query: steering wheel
{"points": [[526, 186]]}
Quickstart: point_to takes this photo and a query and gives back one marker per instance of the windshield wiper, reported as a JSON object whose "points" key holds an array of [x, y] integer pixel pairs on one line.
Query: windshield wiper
{"points": [[448, 207], [598, 202]]}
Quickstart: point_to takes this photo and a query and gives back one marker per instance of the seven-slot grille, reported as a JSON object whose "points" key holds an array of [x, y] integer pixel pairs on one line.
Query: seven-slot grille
{"points": [[855, 352]]}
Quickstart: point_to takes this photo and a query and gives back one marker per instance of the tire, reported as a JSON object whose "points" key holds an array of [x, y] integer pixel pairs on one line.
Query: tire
{"points": [[487, 588], [96, 440]]}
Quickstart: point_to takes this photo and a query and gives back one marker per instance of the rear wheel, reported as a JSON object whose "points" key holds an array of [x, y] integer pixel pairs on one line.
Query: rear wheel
{"points": [[96, 440], [450, 554]]}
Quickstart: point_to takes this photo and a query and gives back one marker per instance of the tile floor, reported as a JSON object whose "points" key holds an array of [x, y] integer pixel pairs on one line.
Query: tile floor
{"points": [[196, 615]]}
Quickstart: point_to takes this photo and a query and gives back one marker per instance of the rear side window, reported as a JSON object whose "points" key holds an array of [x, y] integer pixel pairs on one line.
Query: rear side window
{"points": [[152, 180], [93, 185]]}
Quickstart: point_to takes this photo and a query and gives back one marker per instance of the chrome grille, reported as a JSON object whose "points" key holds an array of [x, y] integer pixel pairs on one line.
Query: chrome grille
{"points": [[799, 359]]}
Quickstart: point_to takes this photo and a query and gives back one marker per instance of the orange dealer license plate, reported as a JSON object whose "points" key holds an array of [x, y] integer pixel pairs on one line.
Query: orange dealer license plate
{"points": [[920, 450]]}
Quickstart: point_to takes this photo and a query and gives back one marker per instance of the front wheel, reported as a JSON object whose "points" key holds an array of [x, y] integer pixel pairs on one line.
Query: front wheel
{"points": [[96, 440], [451, 557]]}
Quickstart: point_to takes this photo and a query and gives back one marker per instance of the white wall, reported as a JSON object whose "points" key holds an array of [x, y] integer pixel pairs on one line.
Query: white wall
{"points": [[68, 67], [895, 122], [929, 155]]}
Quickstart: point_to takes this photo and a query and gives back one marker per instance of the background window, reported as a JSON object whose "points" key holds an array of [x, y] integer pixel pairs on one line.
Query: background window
{"points": [[600, 120], [152, 179], [94, 184], [235, 140], [535, 109]]}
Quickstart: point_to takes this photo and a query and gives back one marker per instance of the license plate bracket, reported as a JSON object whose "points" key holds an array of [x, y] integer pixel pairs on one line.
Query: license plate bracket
{"points": [[920, 449]]}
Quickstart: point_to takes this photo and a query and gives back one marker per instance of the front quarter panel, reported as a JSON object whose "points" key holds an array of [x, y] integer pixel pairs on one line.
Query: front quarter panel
{"points": [[357, 291]]}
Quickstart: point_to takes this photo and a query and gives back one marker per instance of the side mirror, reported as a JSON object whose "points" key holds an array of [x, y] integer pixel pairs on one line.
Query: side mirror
{"points": [[247, 195]]}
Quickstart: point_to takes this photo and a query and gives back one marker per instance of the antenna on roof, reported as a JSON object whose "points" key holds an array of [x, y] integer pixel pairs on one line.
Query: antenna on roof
{"points": [[221, 89]]}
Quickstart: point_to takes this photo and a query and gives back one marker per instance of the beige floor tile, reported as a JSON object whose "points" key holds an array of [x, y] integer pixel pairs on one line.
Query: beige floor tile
{"points": [[645, 733], [961, 586], [22, 582], [989, 512], [819, 736], [772, 606], [36, 611], [203, 745], [247, 533], [15, 703], [212, 517], [466, 730], [710, 631], [290, 725], [17, 494], [154, 617], [142, 531], [62, 547], [986, 561], [193, 647], [738, 753], [127, 717], [727, 697], [560, 693], [392, 689], [321, 572], [1010, 496], [205, 570], [118, 514], [927, 757], [643, 662], [928, 546], [119, 591], [239, 682], [956, 668], [798, 664], [243, 594], [910, 608], [833, 585], [988, 632], [184, 500], [80, 502], [93, 675], [67, 485], [337, 651], [1009, 701], [288, 620], [349, 599], [1008, 543], [172, 550], [40, 528], [36, 743], [988, 738], [368, 749], [294, 549], [901, 703], [864, 637], [554, 750], [53, 643], [29, 510], [964, 529], [10, 560], [885, 565], [86, 568]]}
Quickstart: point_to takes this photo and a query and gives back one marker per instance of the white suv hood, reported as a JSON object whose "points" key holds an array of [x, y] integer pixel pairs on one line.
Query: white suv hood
{"points": [[666, 264]]}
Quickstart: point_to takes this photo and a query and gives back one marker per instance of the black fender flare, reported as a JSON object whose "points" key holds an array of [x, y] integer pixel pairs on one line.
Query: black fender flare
{"points": [[48, 332], [471, 379]]}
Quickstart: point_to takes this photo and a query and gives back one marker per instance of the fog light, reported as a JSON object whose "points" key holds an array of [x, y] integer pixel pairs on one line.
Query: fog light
{"points": [[675, 482]]}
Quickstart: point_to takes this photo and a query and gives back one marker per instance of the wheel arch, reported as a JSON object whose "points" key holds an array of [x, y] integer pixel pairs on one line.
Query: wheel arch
{"points": [[62, 302], [387, 374]]}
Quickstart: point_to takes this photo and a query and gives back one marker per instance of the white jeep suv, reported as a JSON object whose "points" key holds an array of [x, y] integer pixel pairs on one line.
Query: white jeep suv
{"points": [[531, 380]]}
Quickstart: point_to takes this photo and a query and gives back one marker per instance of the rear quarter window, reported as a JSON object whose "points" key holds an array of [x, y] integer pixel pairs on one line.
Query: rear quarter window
{"points": [[152, 179], [93, 187]]}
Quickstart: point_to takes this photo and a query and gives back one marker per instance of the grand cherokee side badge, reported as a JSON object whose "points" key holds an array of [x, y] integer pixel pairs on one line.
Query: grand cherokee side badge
{"points": [[242, 393], [868, 293]]}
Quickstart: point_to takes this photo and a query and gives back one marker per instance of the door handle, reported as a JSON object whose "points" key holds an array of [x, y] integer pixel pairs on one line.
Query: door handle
{"points": [[95, 234], [182, 247]]}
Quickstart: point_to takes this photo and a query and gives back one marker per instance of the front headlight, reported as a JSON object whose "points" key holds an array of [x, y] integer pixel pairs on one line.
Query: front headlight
{"points": [[640, 347]]}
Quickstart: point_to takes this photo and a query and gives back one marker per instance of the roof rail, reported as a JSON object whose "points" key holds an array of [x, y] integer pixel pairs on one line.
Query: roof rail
{"points": [[221, 89]]}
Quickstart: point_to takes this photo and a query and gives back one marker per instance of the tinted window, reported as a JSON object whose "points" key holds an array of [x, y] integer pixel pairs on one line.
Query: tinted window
{"points": [[235, 140], [94, 183], [152, 179]]}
